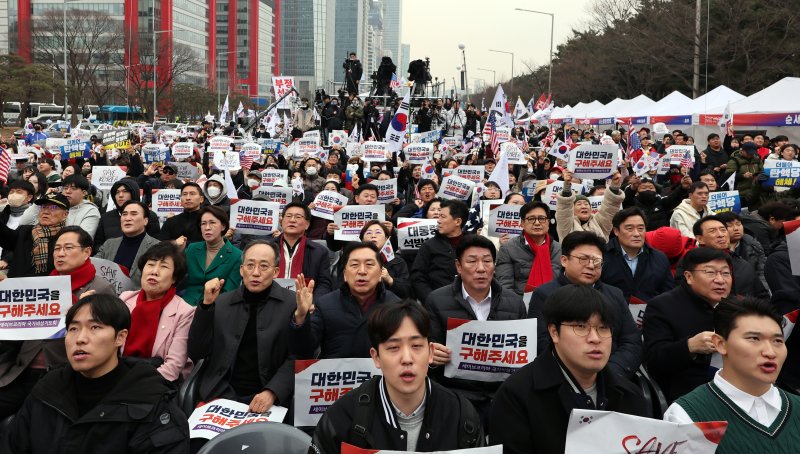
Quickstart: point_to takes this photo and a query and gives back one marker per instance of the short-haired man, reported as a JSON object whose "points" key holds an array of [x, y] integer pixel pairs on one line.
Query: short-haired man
{"points": [[677, 325], [82, 213], [110, 226], [435, 264], [691, 209], [707, 176], [582, 261], [743, 245], [402, 409], [184, 228], [748, 335], [337, 323], [48, 168], [417, 196], [714, 157], [126, 249], [531, 410], [99, 402]]}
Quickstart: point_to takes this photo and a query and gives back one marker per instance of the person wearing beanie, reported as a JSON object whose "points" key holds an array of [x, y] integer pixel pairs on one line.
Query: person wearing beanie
{"points": [[574, 212], [122, 191], [670, 241]]}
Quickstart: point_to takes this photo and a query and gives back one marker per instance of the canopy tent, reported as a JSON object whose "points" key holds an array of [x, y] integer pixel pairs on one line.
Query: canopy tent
{"points": [[560, 113], [690, 112], [578, 114], [635, 110], [674, 102], [608, 113]]}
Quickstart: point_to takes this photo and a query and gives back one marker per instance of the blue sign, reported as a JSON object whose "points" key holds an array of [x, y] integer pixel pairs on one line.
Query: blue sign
{"points": [[270, 146], [76, 148], [154, 152], [722, 201], [782, 173]]}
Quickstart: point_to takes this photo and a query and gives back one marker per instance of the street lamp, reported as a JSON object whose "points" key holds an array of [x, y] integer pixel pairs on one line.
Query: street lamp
{"points": [[512, 62], [155, 72], [66, 91], [466, 79], [552, 27], [494, 74], [219, 90]]}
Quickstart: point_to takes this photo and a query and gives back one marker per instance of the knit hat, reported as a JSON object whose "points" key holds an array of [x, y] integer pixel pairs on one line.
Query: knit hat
{"points": [[580, 197], [669, 241]]}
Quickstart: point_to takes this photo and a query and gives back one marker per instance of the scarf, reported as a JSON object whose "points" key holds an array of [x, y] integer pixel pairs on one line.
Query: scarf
{"points": [[144, 324], [17, 211], [80, 277], [541, 270], [297, 258], [41, 245]]}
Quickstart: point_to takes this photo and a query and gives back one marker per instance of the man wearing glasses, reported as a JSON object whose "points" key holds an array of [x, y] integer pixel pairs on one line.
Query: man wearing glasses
{"points": [[582, 260]]}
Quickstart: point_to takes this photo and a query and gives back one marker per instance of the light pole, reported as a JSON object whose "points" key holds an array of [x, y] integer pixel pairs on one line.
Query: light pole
{"points": [[66, 91], [219, 90], [466, 79], [155, 66], [512, 61], [552, 27], [494, 74]]}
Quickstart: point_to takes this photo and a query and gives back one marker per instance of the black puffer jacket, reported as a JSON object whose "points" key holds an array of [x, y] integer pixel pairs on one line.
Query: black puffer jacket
{"points": [[434, 266], [109, 226]]}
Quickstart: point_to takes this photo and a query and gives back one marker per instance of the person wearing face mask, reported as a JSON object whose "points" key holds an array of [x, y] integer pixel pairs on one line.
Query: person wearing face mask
{"points": [[303, 118], [354, 114], [252, 182], [657, 208], [20, 196], [36, 136], [215, 193], [333, 116], [312, 180]]}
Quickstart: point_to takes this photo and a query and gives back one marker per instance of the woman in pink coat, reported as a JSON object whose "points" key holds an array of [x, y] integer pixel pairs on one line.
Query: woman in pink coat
{"points": [[160, 319]]}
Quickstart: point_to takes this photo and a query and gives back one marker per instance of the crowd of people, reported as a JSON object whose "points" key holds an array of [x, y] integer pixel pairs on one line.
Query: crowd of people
{"points": [[712, 288]]}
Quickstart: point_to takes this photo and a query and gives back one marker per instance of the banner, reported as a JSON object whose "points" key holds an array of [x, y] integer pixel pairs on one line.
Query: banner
{"points": [[270, 176], [617, 433], [387, 190], [419, 153], [211, 419], [454, 187], [412, 232], [514, 154], [250, 150], [313, 134], [352, 218], [229, 159], [722, 201], [33, 308], [350, 449], [554, 189], [117, 138], [326, 203], [281, 196], [505, 219], [374, 151], [76, 148], [489, 350], [471, 173], [503, 134], [318, 383], [677, 154], [167, 201], [595, 201], [187, 170], [593, 161], [220, 143], [782, 173], [155, 152], [425, 137], [182, 150], [255, 217], [270, 146], [281, 86], [103, 177], [168, 137], [118, 279]]}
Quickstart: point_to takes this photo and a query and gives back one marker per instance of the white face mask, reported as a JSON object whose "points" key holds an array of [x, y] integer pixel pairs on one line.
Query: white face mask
{"points": [[252, 182], [214, 191], [16, 200], [311, 171], [555, 176]]}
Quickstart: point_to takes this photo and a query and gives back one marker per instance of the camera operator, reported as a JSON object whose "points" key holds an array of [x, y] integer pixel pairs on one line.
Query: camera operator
{"points": [[455, 118], [472, 121], [371, 116], [424, 117], [437, 116], [333, 116], [386, 70], [352, 73]]}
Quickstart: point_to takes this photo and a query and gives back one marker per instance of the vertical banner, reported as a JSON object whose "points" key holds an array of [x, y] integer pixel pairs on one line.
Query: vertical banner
{"points": [[387, 190], [352, 218], [722, 201], [255, 217], [211, 419], [33, 308], [327, 203], [413, 232], [593, 161], [456, 188], [505, 220], [167, 201], [281, 86]]}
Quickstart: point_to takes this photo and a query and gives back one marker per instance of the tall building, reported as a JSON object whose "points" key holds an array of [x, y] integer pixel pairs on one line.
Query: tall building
{"points": [[374, 50], [351, 33], [405, 59], [307, 43], [4, 30], [392, 22]]}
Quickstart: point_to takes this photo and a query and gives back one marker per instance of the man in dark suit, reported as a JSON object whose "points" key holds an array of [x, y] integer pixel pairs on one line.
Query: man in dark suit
{"points": [[126, 249]]}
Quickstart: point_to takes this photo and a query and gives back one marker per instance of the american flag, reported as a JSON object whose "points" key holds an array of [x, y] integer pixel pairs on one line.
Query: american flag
{"points": [[634, 143], [475, 219], [493, 134], [395, 82], [5, 164], [246, 161], [686, 159]]}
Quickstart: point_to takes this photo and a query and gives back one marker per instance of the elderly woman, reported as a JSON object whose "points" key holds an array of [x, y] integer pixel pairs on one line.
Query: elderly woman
{"points": [[213, 257], [160, 319], [394, 274]]}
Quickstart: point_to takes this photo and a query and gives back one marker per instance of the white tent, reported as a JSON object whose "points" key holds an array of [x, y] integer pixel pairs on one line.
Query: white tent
{"points": [[637, 107], [561, 112], [609, 110], [579, 113], [712, 102], [673, 102], [780, 97]]}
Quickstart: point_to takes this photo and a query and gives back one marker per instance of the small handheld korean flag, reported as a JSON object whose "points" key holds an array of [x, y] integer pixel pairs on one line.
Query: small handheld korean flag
{"points": [[726, 122], [387, 252], [355, 136], [642, 166], [240, 110], [790, 319], [730, 181], [395, 135], [560, 150]]}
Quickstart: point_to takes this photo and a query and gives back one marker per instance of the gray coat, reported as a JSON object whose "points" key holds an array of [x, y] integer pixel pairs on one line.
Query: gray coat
{"points": [[514, 262], [109, 250]]}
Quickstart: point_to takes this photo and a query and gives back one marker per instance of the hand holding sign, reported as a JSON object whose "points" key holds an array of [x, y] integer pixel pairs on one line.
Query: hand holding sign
{"points": [[441, 354], [262, 401], [305, 299]]}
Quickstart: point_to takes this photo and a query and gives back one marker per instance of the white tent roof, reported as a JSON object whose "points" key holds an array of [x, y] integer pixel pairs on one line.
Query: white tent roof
{"points": [[585, 109], [782, 96], [609, 110], [636, 107], [668, 105], [561, 112], [713, 101]]}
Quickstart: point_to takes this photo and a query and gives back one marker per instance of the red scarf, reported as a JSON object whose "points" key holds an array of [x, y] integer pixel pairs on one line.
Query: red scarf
{"points": [[297, 258], [144, 324], [80, 277], [541, 269]]}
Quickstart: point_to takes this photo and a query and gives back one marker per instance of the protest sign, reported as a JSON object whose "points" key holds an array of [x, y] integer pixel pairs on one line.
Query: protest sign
{"points": [[250, 150], [678, 153], [374, 151], [337, 137], [103, 177], [318, 383], [281, 196], [281, 86], [168, 137], [503, 134], [117, 138], [76, 148], [595, 201], [306, 148], [593, 161], [505, 219], [554, 189], [313, 134], [270, 176], [418, 153], [182, 150], [413, 232], [213, 418], [220, 143], [326, 203], [113, 273], [352, 218], [489, 350], [255, 217], [452, 142], [529, 189], [488, 205], [82, 134], [471, 173], [782, 173], [167, 201], [637, 307], [722, 201], [223, 159], [350, 449], [155, 152], [425, 137], [186, 170], [387, 190], [663, 164], [513, 153], [618, 433], [353, 149], [33, 308], [270, 146], [454, 187]]}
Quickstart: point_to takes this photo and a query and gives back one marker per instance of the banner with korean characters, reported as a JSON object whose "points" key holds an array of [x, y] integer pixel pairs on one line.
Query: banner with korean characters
{"points": [[270, 146], [281, 196], [270, 176], [554, 189], [595, 201], [213, 418], [33, 308], [255, 217], [167, 201], [155, 152], [220, 143], [374, 151], [503, 134], [387, 190], [609, 432], [327, 203], [350, 449], [183, 150], [722, 201], [782, 173], [472, 173], [456, 188], [514, 154], [418, 153], [413, 232], [113, 273], [489, 350], [103, 177], [318, 383], [282, 85], [76, 148], [593, 161], [352, 218], [505, 220], [307, 147], [250, 150], [117, 138], [313, 134]]}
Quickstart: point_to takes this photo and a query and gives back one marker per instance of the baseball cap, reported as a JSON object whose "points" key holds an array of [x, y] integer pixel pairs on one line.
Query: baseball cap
{"points": [[57, 199]]}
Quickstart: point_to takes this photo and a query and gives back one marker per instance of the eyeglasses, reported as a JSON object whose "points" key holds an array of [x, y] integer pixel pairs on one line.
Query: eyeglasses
{"points": [[263, 267], [168, 172], [294, 216], [583, 329], [536, 219], [66, 248], [585, 260], [50, 207], [711, 274]]}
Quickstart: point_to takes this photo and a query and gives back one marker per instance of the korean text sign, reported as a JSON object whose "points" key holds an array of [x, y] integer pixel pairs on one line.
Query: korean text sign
{"points": [[33, 308], [505, 219], [217, 416], [326, 203], [593, 161], [352, 218], [457, 188], [167, 201], [782, 173], [255, 217], [413, 232], [722, 201]]}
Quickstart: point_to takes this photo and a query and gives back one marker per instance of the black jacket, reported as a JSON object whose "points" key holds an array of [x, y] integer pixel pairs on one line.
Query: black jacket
{"points": [[531, 410], [434, 266], [669, 321], [338, 326], [626, 350], [21, 242], [184, 224], [138, 416], [216, 331], [109, 226], [745, 279], [778, 271], [448, 302], [658, 211], [439, 432], [653, 274]]}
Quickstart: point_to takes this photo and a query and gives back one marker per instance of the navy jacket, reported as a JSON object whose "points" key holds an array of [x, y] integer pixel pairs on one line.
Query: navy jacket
{"points": [[434, 266], [653, 275]]}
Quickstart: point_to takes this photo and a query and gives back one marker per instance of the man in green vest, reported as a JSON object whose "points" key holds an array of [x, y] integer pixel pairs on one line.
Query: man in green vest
{"points": [[761, 418]]}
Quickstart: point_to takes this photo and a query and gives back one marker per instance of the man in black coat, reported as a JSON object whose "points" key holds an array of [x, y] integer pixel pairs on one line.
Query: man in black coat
{"points": [[352, 73], [582, 259], [184, 228], [244, 335], [435, 264], [531, 410], [657, 208], [678, 324], [122, 191]]}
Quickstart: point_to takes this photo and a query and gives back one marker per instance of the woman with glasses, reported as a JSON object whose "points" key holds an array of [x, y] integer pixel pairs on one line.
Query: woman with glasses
{"points": [[160, 319], [213, 257]]}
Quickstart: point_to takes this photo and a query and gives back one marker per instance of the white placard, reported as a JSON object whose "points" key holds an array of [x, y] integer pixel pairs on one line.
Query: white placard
{"points": [[167, 201], [183, 150], [503, 134], [456, 188], [313, 134], [418, 153], [413, 232], [211, 419], [471, 173], [326, 203], [281, 196], [33, 308], [306, 148], [113, 274], [595, 201], [505, 220], [220, 143], [387, 190], [554, 189], [352, 218], [374, 151], [223, 159], [255, 217], [593, 161], [250, 149], [514, 154], [270, 176], [187, 170], [103, 177]]}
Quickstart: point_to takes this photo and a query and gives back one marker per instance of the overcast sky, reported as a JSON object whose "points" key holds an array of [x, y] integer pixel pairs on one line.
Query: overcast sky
{"points": [[434, 28]]}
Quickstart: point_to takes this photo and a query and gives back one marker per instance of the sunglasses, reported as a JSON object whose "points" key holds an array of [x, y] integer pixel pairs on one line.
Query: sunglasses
{"points": [[168, 171]]}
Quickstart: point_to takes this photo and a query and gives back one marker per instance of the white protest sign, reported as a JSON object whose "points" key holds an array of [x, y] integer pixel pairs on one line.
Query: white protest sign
{"points": [[454, 187], [514, 154], [182, 150], [220, 143], [318, 383], [223, 159], [503, 134], [488, 205], [595, 201], [337, 137], [722, 201], [374, 151], [281, 196], [350, 449], [471, 173], [167, 137], [326, 203], [593, 161], [554, 189], [103, 177], [505, 219], [662, 166], [211, 419], [418, 153], [353, 149], [270, 176], [387, 190], [187, 171], [33, 308], [113, 274], [306, 148], [255, 217], [352, 218], [314, 134], [425, 137], [637, 307], [413, 232], [618, 433], [167, 201], [250, 149], [155, 152], [678, 152], [489, 350], [282, 85]]}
